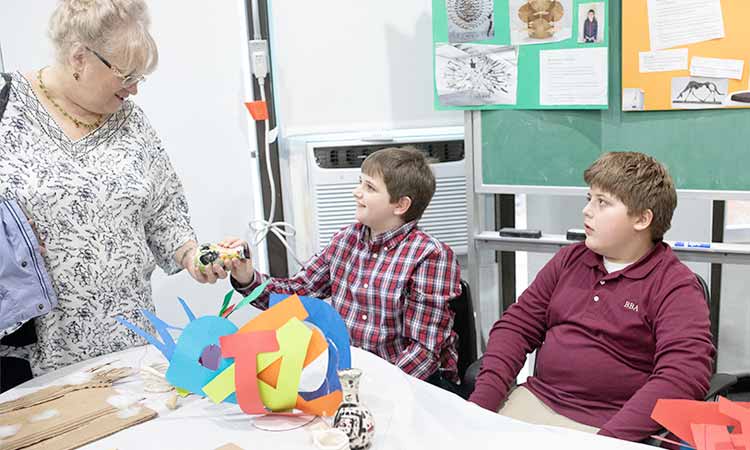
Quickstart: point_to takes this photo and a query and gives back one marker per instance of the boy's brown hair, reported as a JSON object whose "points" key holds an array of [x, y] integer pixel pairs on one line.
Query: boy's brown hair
{"points": [[406, 173], [640, 182]]}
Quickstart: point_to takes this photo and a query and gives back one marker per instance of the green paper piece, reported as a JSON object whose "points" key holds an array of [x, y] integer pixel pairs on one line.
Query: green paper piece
{"points": [[222, 386], [252, 296], [293, 338], [224, 305], [182, 392]]}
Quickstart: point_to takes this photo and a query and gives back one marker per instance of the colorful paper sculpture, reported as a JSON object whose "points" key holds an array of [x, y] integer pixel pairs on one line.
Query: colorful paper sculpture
{"points": [[258, 366], [706, 425]]}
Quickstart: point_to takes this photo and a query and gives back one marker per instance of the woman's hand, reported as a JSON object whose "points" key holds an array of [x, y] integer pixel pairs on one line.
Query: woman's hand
{"points": [[242, 269], [211, 273]]}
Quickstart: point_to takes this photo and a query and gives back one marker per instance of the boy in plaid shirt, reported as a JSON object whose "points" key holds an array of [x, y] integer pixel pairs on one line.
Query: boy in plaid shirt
{"points": [[390, 281]]}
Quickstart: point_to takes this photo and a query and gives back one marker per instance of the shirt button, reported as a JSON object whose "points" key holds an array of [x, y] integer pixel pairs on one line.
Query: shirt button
{"points": [[374, 255], [602, 282], [596, 298], [24, 264], [40, 307], [364, 316], [365, 285]]}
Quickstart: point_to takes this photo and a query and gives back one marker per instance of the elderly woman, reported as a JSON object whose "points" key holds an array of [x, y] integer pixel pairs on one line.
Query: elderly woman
{"points": [[83, 160]]}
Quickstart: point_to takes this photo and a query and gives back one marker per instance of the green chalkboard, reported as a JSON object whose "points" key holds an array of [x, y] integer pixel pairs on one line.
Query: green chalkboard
{"points": [[706, 151]]}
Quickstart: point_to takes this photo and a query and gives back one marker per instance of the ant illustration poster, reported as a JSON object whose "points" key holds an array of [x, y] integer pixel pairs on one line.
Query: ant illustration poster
{"points": [[684, 55]]}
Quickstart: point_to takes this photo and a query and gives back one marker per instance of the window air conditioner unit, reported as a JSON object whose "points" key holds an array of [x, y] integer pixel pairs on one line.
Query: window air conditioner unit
{"points": [[319, 173]]}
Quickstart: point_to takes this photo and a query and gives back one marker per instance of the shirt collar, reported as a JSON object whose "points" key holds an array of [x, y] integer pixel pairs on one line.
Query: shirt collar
{"points": [[639, 269], [390, 238]]}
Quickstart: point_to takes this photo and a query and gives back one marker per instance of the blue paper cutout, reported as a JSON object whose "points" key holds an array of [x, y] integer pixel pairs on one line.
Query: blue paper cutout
{"points": [[325, 317], [184, 369], [188, 311], [167, 346], [331, 382]]}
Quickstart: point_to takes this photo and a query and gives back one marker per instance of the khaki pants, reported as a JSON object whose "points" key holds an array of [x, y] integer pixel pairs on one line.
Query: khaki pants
{"points": [[523, 405]]}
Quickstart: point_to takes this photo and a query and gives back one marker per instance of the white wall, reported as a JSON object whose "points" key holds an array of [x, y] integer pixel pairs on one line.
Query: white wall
{"points": [[194, 100], [342, 65]]}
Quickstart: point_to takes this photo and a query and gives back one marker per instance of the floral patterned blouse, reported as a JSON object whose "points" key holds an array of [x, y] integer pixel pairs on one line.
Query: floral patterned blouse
{"points": [[109, 207]]}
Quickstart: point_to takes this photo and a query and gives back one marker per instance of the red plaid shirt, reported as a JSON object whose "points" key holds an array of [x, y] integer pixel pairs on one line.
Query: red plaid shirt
{"points": [[392, 292]]}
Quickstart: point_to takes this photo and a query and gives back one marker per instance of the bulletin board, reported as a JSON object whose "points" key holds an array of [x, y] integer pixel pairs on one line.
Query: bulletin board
{"points": [[677, 89], [504, 37]]}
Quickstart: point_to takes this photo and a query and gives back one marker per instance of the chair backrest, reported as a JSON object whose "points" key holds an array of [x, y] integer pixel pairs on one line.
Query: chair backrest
{"points": [[706, 292], [463, 326]]}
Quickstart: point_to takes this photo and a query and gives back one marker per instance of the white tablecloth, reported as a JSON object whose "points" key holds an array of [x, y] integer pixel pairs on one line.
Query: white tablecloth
{"points": [[409, 414]]}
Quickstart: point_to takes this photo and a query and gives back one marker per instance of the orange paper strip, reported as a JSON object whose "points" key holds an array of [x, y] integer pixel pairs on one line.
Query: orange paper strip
{"points": [[258, 110]]}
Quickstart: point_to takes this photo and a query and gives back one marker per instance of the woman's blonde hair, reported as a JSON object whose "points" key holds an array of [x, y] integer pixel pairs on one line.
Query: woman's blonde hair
{"points": [[117, 29]]}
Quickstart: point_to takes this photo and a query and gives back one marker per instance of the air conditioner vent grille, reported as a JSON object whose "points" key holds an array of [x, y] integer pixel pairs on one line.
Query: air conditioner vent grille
{"points": [[445, 218], [352, 156]]}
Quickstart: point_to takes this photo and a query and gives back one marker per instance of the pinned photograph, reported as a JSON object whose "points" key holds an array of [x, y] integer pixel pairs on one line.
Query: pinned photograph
{"points": [[470, 20], [540, 21], [698, 93], [633, 99], [591, 21], [476, 74]]}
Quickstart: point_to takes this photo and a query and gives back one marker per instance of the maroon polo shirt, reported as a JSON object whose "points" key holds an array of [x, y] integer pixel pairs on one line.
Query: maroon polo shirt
{"points": [[609, 345]]}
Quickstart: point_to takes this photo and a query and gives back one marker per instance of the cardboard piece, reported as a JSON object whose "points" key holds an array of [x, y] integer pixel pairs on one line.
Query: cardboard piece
{"points": [[84, 416]]}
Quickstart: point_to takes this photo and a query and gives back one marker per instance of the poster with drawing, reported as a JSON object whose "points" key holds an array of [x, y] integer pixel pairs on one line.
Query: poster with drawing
{"points": [[591, 22], [540, 21], [475, 74], [698, 92], [470, 20], [687, 54]]}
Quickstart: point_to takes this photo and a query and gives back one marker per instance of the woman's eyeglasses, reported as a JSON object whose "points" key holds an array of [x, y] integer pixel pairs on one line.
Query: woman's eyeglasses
{"points": [[126, 80]]}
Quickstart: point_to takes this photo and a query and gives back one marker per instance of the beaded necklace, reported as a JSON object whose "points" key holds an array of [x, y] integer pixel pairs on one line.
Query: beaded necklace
{"points": [[78, 123]]}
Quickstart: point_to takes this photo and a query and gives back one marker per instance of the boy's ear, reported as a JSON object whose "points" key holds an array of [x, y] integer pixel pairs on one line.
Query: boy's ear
{"points": [[643, 220], [402, 205]]}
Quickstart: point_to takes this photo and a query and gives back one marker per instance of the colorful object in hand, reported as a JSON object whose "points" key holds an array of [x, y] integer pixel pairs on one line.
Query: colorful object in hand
{"points": [[208, 254], [704, 425], [261, 365]]}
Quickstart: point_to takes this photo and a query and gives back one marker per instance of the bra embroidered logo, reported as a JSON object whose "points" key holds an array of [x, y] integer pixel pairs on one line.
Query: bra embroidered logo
{"points": [[631, 306]]}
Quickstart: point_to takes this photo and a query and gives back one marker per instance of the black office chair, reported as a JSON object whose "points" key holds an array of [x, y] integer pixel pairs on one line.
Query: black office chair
{"points": [[14, 371], [464, 327], [720, 385]]}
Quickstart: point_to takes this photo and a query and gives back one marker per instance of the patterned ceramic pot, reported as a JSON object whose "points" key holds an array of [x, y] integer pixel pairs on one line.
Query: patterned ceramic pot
{"points": [[352, 417]]}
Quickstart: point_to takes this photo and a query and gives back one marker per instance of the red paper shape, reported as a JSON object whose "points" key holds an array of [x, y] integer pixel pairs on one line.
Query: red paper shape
{"points": [[678, 416], [244, 348], [711, 437], [740, 438], [258, 110]]}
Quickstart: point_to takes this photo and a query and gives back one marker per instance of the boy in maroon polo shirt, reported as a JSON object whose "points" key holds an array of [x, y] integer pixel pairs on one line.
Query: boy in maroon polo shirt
{"points": [[389, 280], [617, 321]]}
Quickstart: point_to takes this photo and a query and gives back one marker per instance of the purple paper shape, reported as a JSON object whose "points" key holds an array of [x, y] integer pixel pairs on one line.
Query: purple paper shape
{"points": [[210, 357]]}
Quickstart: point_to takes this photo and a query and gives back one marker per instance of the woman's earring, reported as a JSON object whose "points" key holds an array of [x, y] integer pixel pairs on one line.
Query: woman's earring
{"points": [[76, 75]]}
